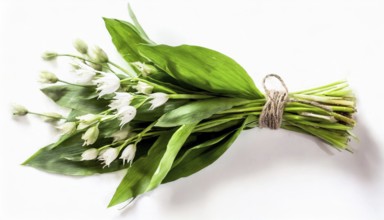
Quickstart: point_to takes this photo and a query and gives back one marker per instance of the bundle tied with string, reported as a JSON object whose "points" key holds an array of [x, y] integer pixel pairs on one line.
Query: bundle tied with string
{"points": [[272, 113], [325, 112], [175, 111]]}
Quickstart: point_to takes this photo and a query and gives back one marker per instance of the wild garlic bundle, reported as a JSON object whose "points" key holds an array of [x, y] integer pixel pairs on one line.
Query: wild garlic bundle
{"points": [[174, 112]]}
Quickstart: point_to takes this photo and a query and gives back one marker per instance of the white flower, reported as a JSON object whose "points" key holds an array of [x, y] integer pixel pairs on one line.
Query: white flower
{"points": [[19, 110], [143, 88], [85, 73], [48, 77], [87, 120], [128, 154], [107, 84], [108, 155], [89, 154], [126, 114], [121, 99], [91, 135], [67, 128], [120, 134], [158, 99]]}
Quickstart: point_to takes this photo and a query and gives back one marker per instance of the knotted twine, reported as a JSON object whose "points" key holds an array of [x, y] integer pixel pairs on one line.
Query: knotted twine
{"points": [[272, 114]]}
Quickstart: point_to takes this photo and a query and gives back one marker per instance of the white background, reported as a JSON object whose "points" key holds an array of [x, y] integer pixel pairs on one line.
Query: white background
{"points": [[265, 174]]}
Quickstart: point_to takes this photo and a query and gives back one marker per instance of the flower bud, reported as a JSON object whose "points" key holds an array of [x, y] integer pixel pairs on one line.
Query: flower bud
{"points": [[89, 154], [51, 117], [120, 134], [87, 120], [145, 69], [99, 55], [19, 110], [91, 135], [75, 66], [96, 66], [144, 88], [48, 77], [48, 56], [80, 46], [67, 128]]}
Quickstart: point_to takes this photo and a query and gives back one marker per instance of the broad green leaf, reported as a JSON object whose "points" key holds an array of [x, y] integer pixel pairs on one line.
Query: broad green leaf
{"points": [[202, 68], [140, 173], [166, 80], [175, 143], [219, 124], [75, 113], [196, 111], [196, 150], [81, 98], [53, 159], [166, 86], [126, 38], [195, 162]]}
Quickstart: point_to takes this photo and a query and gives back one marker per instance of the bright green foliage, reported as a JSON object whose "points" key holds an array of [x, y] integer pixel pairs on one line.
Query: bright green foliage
{"points": [[208, 99]]}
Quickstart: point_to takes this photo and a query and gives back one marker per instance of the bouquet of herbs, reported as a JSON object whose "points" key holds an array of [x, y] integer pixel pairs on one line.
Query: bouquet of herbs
{"points": [[172, 113]]}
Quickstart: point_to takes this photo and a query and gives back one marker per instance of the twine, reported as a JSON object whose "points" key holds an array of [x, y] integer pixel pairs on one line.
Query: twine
{"points": [[272, 114]]}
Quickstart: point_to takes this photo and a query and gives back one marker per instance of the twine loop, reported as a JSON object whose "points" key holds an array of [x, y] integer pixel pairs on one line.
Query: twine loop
{"points": [[272, 113]]}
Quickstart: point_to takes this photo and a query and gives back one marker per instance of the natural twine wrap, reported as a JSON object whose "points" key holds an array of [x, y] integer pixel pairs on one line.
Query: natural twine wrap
{"points": [[272, 114]]}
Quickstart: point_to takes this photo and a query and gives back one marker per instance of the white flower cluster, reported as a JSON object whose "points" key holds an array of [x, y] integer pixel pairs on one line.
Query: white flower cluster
{"points": [[110, 154], [121, 103], [122, 100]]}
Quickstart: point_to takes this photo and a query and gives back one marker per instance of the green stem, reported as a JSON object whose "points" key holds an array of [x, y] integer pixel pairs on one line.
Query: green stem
{"points": [[143, 132], [94, 62], [121, 69], [325, 99], [72, 84], [189, 96], [141, 103], [242, 110], [77, 57], [321, 88], [44, 115]]}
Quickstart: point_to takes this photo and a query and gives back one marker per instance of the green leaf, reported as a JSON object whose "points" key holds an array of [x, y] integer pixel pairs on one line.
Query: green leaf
{"points": [[137, 25], [53, 159], [126, 39], [166, 80], [203, 68], [196, 111], [175, 143], [148, 172], [196, 161], [219, 124], [82, 98], [140, 173], [75, 113], [197, 149], [64, 155]]}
